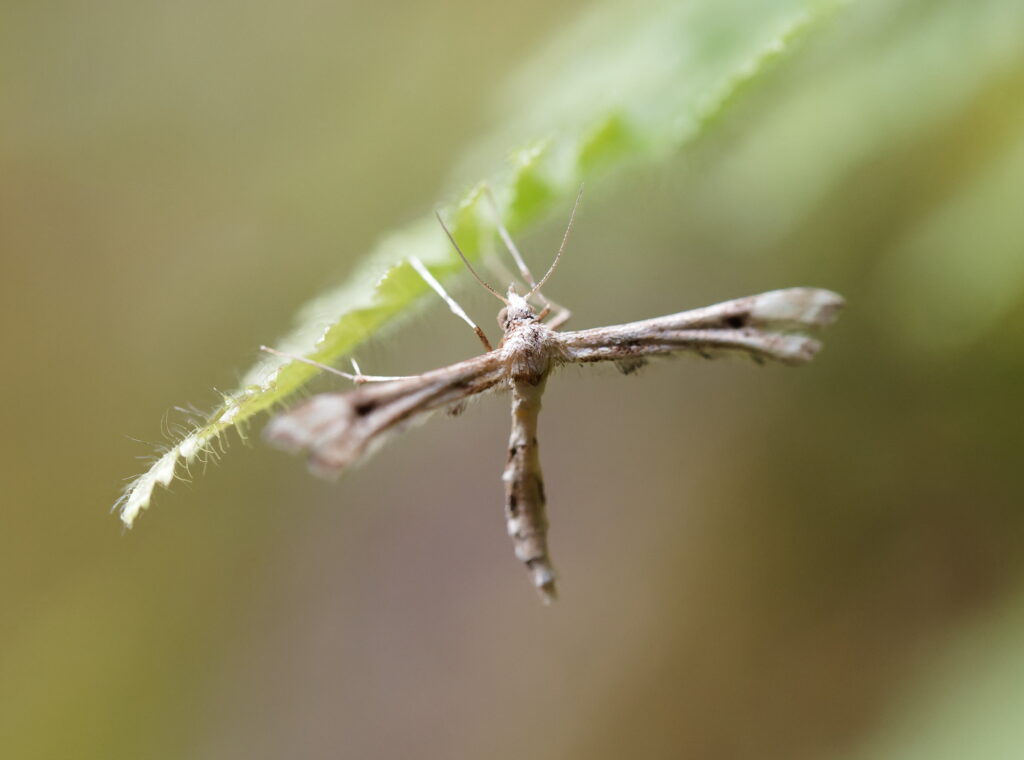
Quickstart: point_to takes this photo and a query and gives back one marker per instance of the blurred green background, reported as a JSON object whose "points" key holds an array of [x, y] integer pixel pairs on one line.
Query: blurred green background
{"points": [[756, 562]]}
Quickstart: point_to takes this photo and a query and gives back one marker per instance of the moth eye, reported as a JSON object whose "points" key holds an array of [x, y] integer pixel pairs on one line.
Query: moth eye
{"points": [[503, 317]]}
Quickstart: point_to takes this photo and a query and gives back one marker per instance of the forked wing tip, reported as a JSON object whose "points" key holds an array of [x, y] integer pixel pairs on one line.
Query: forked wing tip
{"points": [[285, 434], [805, 306], [798, 349]]}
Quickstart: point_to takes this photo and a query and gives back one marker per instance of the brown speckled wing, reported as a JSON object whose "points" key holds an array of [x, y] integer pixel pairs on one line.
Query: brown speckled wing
{"points": [[764, 326], [338, 429]]}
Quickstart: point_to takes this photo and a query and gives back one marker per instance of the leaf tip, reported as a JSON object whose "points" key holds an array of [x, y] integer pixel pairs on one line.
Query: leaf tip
{"points": [[140, 491]]}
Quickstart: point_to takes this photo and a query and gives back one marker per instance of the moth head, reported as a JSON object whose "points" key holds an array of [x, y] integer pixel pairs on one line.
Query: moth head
{"points": [[516, 310]]}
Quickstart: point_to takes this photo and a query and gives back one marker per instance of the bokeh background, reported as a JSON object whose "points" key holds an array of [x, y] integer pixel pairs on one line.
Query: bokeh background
{"points": [[756, 562]]}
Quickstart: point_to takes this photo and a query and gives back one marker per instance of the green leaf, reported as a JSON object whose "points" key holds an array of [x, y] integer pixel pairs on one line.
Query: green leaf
{"points": [[629, 84]]}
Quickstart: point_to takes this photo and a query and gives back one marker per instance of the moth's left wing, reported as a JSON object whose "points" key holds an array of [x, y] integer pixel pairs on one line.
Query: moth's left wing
{"points": [[764, 326], [340, 428]]}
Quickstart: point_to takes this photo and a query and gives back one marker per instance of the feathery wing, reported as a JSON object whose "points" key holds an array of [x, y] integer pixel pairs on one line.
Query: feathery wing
{"points": [[762, 326], [339, 428]]}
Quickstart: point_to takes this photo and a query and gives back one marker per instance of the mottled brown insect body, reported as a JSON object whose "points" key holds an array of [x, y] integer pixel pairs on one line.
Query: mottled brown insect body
{"points": [[525, 507], [339, 428], [531, 349]]}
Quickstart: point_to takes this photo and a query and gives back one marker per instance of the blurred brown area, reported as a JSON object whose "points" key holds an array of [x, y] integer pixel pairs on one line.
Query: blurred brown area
{"points": [[755, 562]]}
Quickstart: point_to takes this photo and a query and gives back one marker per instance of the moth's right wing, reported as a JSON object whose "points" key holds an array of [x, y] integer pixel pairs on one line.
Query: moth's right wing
{"points": [[765, 326], [340, 428]]}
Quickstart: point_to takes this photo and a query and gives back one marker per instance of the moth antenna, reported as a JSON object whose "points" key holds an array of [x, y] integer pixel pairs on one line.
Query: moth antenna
{"points": [[561, 248], [466, 261]]}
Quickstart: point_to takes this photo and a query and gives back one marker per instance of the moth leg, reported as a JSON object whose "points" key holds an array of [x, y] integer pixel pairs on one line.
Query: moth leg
{"points": [[506, 238], [358, 378], [457, 310], [562, 315]]}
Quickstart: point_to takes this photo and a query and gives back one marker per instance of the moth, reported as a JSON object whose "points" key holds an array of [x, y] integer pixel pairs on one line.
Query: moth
{"points": [[338, 429]]}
